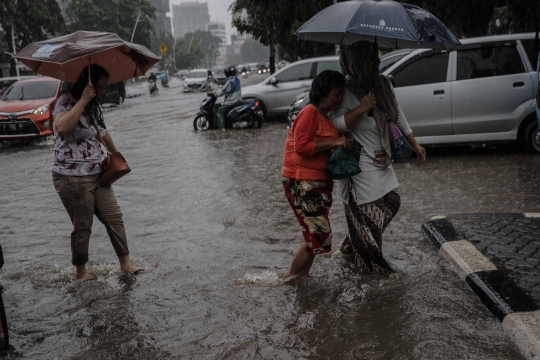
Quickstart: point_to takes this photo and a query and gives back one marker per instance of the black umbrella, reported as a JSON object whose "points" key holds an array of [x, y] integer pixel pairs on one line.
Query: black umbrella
{"points": [[389, 23]]}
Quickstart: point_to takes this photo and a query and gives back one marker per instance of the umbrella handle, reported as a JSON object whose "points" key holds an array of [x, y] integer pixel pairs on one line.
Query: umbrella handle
{"points": [[89, 64]]}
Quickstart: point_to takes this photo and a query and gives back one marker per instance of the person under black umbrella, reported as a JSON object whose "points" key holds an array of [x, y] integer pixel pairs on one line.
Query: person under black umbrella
{"points": [[371, 197]]}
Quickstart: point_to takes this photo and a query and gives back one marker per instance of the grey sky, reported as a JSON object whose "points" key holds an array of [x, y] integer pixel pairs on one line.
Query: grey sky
{"points": [[218, 12]]}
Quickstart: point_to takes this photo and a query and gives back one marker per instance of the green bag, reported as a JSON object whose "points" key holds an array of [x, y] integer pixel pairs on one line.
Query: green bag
{"points": [[344, 162]]}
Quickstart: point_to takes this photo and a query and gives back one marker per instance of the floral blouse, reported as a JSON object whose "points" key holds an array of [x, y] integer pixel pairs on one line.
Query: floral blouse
{"points": [[79, 152]]}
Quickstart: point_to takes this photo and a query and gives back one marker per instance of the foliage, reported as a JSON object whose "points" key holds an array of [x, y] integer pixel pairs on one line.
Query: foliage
{"points": [[118, 16], [253, 51], [196, 49], [32, 20], [273, 22], [472, 18]]}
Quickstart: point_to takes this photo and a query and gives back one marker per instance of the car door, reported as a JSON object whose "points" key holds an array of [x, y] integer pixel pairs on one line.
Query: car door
{"points": [[424, 94], [290, 82], [491, 88]]}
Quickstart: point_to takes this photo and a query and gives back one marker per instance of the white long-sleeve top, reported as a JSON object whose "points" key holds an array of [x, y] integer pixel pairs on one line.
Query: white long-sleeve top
{"points": [[377, 177]]}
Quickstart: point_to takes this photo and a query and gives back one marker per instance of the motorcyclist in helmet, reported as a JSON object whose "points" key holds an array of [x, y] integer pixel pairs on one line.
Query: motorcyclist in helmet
{"points": [[233, 95], [152, 76]]}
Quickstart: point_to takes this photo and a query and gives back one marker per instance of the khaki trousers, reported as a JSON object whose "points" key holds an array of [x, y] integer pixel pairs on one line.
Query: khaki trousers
{"points": [[83, 197]]}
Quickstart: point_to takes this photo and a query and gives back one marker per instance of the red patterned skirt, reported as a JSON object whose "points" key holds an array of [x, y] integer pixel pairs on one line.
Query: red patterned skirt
{"points": [[311, 202]]}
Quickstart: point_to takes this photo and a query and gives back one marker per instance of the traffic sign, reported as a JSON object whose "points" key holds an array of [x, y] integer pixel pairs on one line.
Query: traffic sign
{"points": [[163, 49]]}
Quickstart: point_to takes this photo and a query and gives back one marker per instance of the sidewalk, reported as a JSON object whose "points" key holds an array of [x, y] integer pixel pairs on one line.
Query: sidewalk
{"points": [[498, 255]]}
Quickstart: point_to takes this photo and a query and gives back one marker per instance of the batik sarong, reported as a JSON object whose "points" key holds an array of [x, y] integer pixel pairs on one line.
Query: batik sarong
{"points": [[366, 224], [311, 202]]}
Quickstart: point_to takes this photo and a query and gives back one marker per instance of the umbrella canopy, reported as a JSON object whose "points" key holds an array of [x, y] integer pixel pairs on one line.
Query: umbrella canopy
{"points": [[65, 57], [391, 24]]}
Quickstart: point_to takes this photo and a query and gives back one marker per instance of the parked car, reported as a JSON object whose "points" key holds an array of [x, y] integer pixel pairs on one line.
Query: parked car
{"points": [[197, 80], [218, 75], [26, 108], [481, 93], [302, 99], [277, 91], [6, 82], [116, 94], [182, 74]]}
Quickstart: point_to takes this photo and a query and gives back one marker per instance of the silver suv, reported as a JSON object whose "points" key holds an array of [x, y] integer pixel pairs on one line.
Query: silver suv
{"points": [[482, 92]]}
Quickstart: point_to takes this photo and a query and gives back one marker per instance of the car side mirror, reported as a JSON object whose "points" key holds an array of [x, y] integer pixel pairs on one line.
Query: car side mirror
{"points": [[273, 81]]}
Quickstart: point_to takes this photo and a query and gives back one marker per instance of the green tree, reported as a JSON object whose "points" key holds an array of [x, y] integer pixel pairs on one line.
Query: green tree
{"points": [[253, 51], [31, 19], [273, 22], [197, 49], [117, 16]]}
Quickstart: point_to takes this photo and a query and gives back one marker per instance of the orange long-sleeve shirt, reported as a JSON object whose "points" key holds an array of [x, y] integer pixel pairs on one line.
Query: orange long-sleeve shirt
{"points": [[299, 159]]}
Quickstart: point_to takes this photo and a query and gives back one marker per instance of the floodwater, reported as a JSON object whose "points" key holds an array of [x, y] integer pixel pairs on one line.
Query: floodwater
{"points": [[207, 214]]}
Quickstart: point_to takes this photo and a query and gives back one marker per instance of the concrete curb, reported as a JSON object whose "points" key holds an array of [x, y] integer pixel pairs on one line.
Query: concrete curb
{"points": [[519, 315]]}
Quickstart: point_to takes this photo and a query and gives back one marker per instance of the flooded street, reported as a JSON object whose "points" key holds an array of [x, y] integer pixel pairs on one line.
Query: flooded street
{"points": [[206, 212]]}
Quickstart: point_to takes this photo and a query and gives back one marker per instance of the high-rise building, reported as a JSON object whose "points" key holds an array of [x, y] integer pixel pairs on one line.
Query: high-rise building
{"points": [[218, 30], [189, 17], [162, 22]]}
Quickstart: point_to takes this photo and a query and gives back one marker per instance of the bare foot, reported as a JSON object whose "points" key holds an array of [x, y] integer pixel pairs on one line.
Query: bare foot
{"points": [[127, 267], [85, 276], [82, 274], [223, 130]]}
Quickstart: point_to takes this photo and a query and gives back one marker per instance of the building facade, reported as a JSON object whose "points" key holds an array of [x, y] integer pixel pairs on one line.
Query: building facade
{"points": [[189, 17], [162, 22], [218, 30]]}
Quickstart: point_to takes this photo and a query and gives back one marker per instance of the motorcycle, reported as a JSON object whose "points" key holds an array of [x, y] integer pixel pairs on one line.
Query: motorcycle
{"points": [[248, 114], [152, 86], [164, 83]]}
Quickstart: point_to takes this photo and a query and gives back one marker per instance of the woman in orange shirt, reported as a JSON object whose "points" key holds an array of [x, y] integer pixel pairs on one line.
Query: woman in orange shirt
{"points": [[307, 187]]}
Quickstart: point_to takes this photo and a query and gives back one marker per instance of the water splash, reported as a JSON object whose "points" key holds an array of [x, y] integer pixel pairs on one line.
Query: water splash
{"points": [[266, 278]]}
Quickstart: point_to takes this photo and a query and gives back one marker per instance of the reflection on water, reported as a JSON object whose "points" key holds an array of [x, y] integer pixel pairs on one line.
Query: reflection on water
{"points": [[206, 212]]}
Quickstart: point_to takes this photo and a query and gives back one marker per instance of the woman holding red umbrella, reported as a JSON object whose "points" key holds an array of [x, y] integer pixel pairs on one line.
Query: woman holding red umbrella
{"points": [[77, 167]]}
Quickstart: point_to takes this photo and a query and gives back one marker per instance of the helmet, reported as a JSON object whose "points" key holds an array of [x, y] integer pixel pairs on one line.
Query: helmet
{"points": [[230, 71]]}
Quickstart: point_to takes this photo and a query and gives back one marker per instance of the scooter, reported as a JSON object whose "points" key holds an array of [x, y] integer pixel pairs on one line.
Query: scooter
{"points": [[248, 114], [152, 87], [164, 83]]}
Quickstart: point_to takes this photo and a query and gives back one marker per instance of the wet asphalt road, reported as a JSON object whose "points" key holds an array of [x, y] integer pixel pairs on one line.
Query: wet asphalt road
{"points": [[207, 214]]}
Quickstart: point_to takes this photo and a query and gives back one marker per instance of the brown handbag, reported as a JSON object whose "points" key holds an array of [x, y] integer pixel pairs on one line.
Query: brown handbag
{"points": [[113, 167]]}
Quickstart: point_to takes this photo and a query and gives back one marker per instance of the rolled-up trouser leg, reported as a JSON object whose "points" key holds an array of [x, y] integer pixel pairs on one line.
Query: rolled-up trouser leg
{"points": [[77, 195], [109, 213]]}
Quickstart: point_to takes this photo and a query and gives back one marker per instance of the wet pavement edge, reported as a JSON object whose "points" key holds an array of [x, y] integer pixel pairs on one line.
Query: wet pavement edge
{"points": [[519, 314]]}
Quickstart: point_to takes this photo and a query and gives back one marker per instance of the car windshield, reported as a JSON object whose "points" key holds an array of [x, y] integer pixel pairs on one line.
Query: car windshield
{"points": [[197, 74], [390, 60], [31, 90]]}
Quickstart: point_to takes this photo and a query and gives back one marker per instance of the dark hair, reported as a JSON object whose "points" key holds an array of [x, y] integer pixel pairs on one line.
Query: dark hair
{"points": [[323, 84], [93, 108]]}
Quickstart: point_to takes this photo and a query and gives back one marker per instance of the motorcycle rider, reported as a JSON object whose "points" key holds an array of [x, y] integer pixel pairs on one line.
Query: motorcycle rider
{"points": [[152, 77], [233, 95], [164, 78]]}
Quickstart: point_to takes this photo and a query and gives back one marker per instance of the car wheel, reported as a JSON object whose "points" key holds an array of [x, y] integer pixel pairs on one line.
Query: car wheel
{"points": [[200, 123], [532, 137]]}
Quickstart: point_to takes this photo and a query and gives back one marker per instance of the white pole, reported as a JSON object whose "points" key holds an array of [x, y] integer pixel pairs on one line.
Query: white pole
{"points": [[135, 27], [14, 49]]}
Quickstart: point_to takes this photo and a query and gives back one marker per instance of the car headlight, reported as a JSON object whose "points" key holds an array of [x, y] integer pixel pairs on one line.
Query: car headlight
{"points": [[41, 110]]}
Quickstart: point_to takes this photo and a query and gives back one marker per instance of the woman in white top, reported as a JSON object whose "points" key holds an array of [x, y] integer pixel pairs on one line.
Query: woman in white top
{"points": [[371, 198]]}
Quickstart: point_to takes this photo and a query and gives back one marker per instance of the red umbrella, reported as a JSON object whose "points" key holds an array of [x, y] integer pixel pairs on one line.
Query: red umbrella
{"points": [[65, 57]]}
